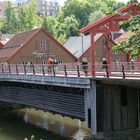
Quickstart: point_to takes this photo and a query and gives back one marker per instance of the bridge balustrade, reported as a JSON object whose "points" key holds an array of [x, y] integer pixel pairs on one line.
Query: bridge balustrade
{"points": [[121, 69]]}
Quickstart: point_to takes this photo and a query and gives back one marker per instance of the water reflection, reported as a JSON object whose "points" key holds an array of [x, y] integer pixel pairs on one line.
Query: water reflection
{"points": [[65, 126], [22, 124], [13, 127]]}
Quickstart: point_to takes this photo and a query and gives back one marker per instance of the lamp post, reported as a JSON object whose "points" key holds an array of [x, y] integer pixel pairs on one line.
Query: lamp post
{"points": [[82, 35]]}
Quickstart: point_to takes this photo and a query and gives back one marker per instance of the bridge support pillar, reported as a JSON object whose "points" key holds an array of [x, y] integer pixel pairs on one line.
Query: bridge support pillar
{"points": [[90, 108]]}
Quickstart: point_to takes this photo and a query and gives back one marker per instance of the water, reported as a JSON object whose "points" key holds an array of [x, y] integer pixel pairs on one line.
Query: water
{"points": [[13, 127], [21, 124]]}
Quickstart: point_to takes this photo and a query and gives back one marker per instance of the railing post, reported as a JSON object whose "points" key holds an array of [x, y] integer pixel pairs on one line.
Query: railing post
{"points": [[78, 71], [24, 69], [43, 72], [107, 73], [123, 71], [17, 69], [9, 69], [2, 69], [33, 69], [65, 70], [53, 70]]}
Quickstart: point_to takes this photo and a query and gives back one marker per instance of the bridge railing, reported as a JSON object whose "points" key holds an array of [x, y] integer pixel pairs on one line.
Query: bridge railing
{"points": [[122, 69]]}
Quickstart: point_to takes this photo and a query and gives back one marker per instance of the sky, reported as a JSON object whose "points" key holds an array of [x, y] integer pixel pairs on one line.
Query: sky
{"points": [[125, 1], [62, 1]]}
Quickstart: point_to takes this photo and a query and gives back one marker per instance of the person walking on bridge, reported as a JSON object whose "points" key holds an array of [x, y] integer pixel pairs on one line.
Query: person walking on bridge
{"points": [[85, 65]]}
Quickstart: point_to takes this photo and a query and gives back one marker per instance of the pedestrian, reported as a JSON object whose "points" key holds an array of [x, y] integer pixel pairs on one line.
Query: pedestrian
{"points": [[117, 64], [50, 62], [132, 64], [55, 64], [85, 65], [104, 63]]}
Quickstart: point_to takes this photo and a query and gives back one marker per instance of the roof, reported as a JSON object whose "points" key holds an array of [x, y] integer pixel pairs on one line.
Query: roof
{"points": [[3, 42], [19, 41], [123, 37], [15, 43], [7, 52], [20, 38], [74, 44], [6, 37]]}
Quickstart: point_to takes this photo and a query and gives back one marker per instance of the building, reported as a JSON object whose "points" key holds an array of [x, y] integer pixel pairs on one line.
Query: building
{"points": [[47, 7], [123, 37], [4, 38], [34, 47], [79, 46], [3, 4]]}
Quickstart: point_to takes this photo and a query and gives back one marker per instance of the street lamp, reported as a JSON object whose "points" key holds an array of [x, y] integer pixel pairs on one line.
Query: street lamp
{"points": [[82, 35]]}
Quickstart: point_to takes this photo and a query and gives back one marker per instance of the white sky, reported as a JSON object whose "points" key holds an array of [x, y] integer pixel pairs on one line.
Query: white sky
{"points": [[125, 1], [62, 1]]}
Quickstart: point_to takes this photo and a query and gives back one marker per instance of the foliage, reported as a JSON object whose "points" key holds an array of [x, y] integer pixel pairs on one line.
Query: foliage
{"points": [[132, 45], [67, 28], [28, 18], [78, 13], [25, 18], [11, 20], [49, 23], [96, 15], [125, 25], [82, 9], [74, 15]]}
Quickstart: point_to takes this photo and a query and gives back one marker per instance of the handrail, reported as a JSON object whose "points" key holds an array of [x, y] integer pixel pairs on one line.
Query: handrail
{"points": [[121, 69]]}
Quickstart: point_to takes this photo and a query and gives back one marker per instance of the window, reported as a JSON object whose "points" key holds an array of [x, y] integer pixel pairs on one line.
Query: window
{"points": [[43, 46], [89, 118], [43, 62], [43, 2], [60, 61], [24, 62], [124, 96], [43, 12]]}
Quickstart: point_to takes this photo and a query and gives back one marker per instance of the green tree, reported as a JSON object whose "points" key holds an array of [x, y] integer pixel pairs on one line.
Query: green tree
{"points": [[79, 8], [132, 45], [23, 19], [82, 9], [11, 20], [96, 15], [49, 23], [69, 27], [28, 19]]}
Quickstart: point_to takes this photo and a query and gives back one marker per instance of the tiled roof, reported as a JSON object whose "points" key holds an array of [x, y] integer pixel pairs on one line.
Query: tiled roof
{"points": [[74, 44], [16, 42], [123, 37], [7, 52], [20, 38]]}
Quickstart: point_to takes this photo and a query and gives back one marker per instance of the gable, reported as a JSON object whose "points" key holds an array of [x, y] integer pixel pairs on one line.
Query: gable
{"points": [[54, 47]]}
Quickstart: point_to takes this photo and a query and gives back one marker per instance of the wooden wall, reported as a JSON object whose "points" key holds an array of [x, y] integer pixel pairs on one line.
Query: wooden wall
{"points": [[117, 108]]}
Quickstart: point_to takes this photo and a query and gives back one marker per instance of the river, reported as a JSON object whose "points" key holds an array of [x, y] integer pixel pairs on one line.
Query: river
{"points": [[25, 123], [13, 127]]}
